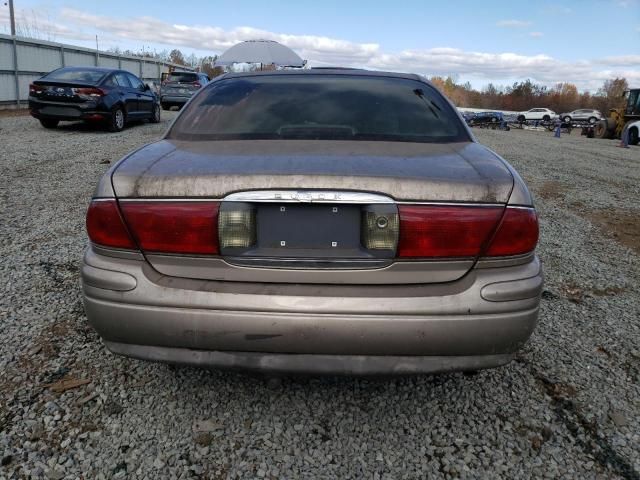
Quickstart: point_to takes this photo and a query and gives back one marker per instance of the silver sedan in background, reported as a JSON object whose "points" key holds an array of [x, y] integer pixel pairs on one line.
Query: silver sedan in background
{"points": [[323, 221], [582, 115]]}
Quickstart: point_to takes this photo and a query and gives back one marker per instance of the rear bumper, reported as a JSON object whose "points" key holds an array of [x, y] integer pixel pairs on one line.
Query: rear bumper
{"points": [[65, 111], [175, 99], [311, 364], [311, 328]]}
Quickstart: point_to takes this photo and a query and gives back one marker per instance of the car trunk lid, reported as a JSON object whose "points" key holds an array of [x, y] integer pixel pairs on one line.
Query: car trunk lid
{"points": [[181, 83], [63, 92], [314, 218], [460, 172]]}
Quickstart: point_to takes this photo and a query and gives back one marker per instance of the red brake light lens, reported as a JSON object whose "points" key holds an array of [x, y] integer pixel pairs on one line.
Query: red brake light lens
{"points": [[197, 84], [517, 234], [173, 226], [106, 227], [434, 231], [89, 92], [35, 89]]}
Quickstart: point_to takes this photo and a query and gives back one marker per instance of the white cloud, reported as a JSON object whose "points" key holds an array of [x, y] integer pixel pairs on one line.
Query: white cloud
{"points": [[513, 23], [482, 67], [536, 34], [620, 61], [149, 29]]}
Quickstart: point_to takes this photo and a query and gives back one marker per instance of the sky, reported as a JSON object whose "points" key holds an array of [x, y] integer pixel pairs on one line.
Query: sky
{"points": [[582, 42]]}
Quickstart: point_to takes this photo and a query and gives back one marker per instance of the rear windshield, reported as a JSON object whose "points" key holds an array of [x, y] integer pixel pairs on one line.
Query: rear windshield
{"points": [[76, 75], [308, 107], [183, 77]]}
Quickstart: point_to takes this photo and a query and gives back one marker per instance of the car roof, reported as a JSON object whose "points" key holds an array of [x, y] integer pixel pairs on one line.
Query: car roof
{"points": [[347, 72], [94, 69]]}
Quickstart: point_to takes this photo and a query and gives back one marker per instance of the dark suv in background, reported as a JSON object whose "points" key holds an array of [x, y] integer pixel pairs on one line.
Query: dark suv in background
{"points": [[92, 94], [178, 87], [488, 120]]}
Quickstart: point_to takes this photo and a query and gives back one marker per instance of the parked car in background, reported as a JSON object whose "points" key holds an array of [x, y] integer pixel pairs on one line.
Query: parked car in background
{"points": [[582, 115], [178, 87], [93, 94], [633, 128], [153, 86], [543, 114], [325, 221], [482, 118], [468, 116]]}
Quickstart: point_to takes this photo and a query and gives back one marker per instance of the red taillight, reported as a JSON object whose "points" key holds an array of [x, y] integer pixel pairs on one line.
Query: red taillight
{"points": [[197, 84], [35, 89], [106, 227], [517, 234], [89, 92], [433, 231], [173, 226]]}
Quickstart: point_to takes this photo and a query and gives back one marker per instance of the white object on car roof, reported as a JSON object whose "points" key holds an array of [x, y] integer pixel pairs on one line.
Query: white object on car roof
{"points": [[266, 52]]}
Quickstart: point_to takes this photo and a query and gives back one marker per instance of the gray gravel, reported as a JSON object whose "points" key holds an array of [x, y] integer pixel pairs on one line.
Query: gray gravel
{"points": [[568, 408]]}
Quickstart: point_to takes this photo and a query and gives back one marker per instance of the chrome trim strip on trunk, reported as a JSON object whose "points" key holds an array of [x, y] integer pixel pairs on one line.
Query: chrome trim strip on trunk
{"points": [[306, 263], [308, 196]]}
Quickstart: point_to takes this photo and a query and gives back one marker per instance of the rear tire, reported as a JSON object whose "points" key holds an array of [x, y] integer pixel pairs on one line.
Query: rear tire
{"points": [[601, 130], [521, 118], [592, 120], [116, 120], [166, 107], [546, 118], [49, 123], [155, 117], [567, 119], [633, 136]]}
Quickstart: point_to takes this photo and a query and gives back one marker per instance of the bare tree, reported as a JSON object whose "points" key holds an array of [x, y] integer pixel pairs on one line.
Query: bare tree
{"points": [[176, 56]]}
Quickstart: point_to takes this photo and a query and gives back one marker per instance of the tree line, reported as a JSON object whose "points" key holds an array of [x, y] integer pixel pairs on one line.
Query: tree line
{"points": [[204, 64], [562, 97]]}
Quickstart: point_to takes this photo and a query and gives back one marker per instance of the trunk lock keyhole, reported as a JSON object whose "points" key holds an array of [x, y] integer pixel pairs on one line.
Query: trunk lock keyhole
{"points": [[382, 222]]}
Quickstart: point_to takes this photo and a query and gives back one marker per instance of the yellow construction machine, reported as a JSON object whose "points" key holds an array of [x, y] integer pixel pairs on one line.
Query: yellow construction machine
{"points": [[613, 126]]}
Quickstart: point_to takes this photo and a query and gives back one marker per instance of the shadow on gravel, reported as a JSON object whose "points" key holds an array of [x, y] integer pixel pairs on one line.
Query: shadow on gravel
{"points": [[274, 381], [569, 412], [93, 127]]}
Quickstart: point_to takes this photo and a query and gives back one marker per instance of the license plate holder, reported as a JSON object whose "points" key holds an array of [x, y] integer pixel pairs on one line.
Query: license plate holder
{"points": [[322, 227]]}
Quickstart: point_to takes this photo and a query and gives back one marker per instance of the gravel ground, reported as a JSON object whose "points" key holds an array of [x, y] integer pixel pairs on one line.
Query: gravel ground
{"points": [[569, 407]]}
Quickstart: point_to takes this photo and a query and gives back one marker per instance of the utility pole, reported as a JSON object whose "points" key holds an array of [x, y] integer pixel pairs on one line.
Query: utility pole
{"points": [[12, 19]]}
